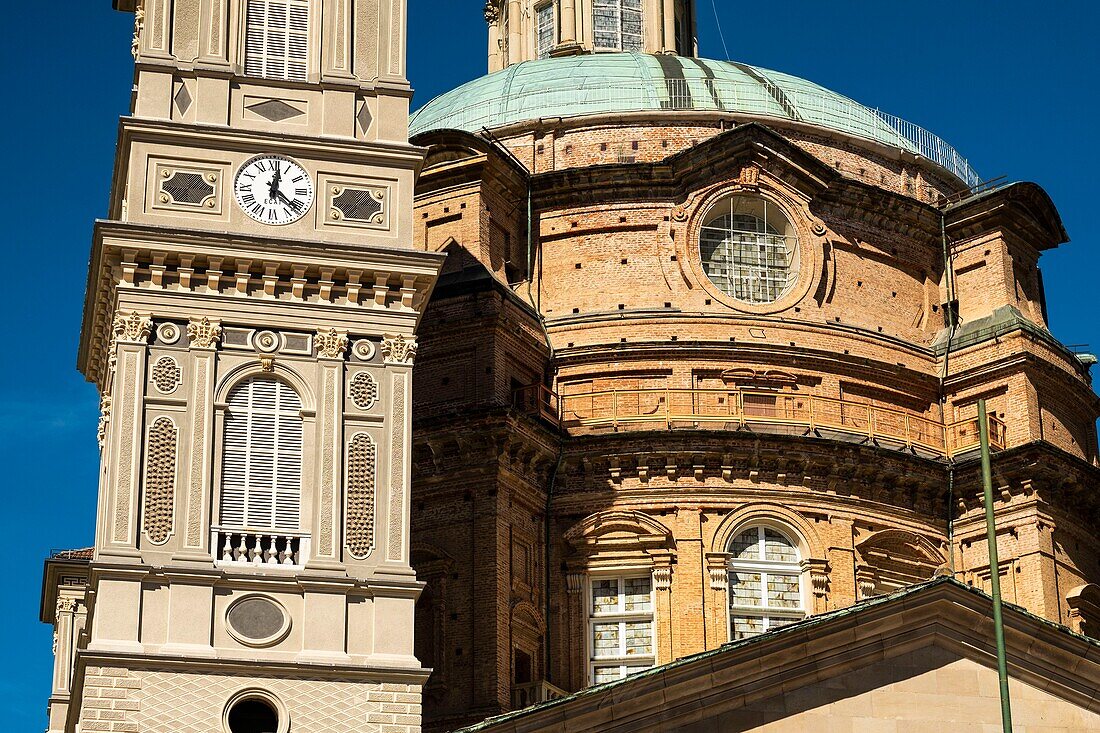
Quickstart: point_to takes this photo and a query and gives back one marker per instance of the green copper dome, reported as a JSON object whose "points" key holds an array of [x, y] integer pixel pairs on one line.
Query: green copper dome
{"points": [[635, 82]]}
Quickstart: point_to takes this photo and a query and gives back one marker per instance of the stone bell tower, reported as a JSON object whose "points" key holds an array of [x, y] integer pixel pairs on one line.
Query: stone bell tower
{"points": [[250, 324]]}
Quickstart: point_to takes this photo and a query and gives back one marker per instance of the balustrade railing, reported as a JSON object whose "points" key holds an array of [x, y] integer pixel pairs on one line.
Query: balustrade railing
{"points": [[532, 693], [262, 547], [666, 408]]}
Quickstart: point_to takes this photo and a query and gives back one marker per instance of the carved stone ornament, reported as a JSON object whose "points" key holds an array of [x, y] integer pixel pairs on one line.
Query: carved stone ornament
{"points": [[574, 582], [134, 328], [104, 420], [398, 349], [65, 605], [331, 344], [203, 333], [267, 363], [662, 577], [719, 577], [750, 176], [819, 575], [139, 26], [492, 12]]}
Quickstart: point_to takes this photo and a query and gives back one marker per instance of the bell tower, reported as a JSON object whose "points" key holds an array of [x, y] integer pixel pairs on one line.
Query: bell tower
{"points": [[527, 30], [250, 320]]}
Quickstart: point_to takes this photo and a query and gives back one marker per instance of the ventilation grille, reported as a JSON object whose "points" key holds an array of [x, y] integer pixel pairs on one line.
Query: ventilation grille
{"points": [[359, 205], [187, 188]]}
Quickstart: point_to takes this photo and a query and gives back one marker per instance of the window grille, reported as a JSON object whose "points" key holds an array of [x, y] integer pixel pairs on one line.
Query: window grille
{"points": [[618, 24], [746, 254], [765, 588], [545, 30], [261, 482], [276, 44], [620, 627]]}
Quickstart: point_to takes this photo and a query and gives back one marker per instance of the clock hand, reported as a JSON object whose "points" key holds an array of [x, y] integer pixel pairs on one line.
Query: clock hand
{"points": [[291, 204]]}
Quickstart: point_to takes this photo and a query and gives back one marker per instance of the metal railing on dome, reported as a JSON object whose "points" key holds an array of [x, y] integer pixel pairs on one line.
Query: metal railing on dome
{"points": [[670, 409], [758, 98]]}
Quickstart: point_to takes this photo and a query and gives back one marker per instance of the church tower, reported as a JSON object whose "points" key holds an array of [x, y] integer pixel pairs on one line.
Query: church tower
{"points": [[250, 323], [526, 30]]}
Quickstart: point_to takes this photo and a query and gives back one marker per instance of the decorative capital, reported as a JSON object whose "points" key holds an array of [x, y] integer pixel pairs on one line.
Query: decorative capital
{"points": [[398, 349], [203, 333], [819, 575], [104, 419], [331, 344], [134, 328], [492, 11], [574, 582], [65, 605], [139, 26], [662, 577], [865, 581], [718, 570]]}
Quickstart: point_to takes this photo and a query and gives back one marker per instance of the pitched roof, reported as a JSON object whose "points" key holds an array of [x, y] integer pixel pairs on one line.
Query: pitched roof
{"points": [[1060, 658]]}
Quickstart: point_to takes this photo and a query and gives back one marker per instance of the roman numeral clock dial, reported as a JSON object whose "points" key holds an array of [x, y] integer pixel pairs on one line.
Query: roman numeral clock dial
{"points": [[273, 189]]}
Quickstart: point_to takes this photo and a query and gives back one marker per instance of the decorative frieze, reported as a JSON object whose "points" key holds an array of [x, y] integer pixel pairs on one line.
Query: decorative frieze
{"points": [[396, 349], [359, 516], [331, 344], [160, 480], [203, 333]]}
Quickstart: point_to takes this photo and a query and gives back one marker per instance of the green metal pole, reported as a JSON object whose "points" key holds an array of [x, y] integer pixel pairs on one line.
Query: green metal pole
{"points": [[994, 568]]}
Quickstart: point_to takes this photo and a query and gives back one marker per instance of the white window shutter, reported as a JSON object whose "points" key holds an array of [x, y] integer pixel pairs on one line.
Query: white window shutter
{"points": [[277, 39], [262, 466]]}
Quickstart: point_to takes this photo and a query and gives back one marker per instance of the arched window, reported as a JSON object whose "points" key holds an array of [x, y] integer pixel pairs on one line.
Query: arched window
{"points": [[617, 24], [765, 589], [276, 39], [261, 486], [748, 250]]}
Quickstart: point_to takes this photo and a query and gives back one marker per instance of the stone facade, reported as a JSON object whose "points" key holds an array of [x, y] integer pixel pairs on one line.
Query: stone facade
{"points": [[641, 453], [254, 361]]}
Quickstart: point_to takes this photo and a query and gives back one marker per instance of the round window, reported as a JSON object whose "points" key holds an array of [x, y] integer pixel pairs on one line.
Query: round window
{"points": [[253, 715], [749, 250]]}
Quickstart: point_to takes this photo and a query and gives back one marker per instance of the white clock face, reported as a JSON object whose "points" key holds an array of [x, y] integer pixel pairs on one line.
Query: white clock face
{"points": [[273, 189]]}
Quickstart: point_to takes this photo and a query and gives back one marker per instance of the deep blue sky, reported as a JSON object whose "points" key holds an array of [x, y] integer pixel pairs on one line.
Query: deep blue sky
{"points": [[1011, 84]]}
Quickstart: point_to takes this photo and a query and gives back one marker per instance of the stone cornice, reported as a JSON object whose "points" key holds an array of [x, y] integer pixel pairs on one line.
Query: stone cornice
{"points": [[1024, 209], [391, 286]]}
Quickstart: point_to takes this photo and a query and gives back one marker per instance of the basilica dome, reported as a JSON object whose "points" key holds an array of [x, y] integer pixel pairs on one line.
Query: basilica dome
{"points": [[621, 83]]}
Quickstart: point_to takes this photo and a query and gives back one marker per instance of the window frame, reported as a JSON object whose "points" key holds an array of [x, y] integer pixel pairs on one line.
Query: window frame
{"points": [[626, 664], [751, 283], [619, 6], [552, 41], [763, 566], [223, 457]]}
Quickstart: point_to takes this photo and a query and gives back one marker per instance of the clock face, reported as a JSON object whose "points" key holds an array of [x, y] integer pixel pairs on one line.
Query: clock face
{"points": [[273, 189]]}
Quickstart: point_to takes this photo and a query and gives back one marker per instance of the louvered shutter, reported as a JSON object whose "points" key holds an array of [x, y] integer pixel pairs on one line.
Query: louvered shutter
{"points": [[276, 42], [262, 468]]}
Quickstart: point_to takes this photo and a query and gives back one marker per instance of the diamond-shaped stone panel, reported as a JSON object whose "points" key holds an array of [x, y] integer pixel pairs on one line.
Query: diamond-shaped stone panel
{"points": [[276, 110], [363, 116], [183, 99]]}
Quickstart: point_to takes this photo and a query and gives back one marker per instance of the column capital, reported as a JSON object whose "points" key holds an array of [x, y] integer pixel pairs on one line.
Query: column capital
{"points": [[331, 344], [203, 333], [397, 349]]}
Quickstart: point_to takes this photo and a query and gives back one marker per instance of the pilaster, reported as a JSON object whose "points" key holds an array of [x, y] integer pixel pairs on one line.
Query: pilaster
{"points": [[398, 352], [327, 516], [203, 336], [130, 336]]}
